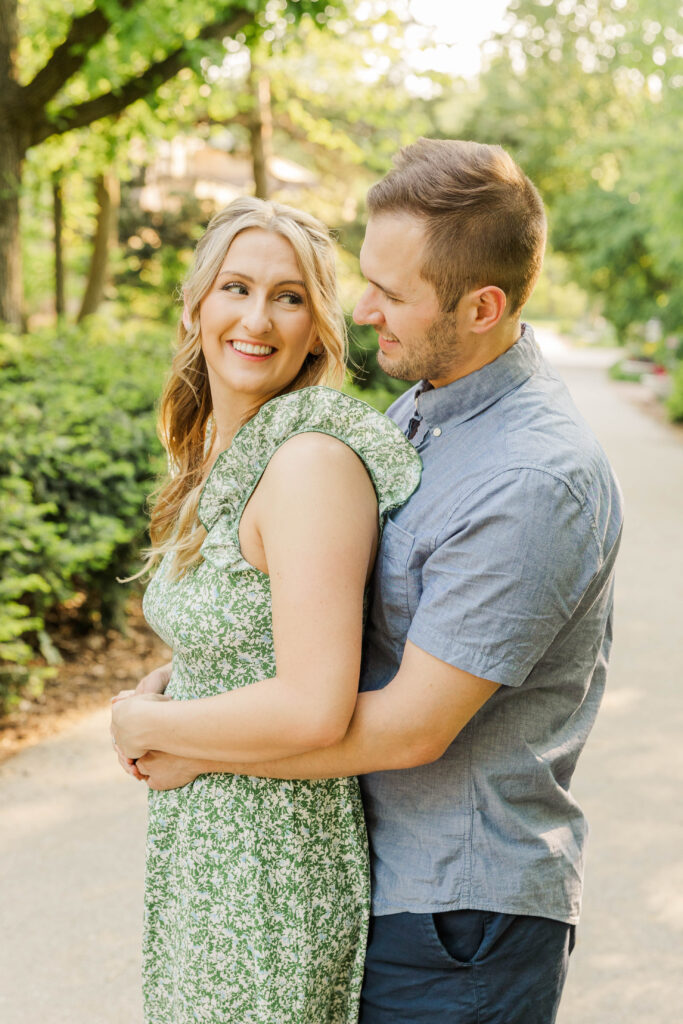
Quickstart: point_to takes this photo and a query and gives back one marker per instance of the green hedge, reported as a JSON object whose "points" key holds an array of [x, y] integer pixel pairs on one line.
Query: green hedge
{"points": [[78, 457], [675, 400]]}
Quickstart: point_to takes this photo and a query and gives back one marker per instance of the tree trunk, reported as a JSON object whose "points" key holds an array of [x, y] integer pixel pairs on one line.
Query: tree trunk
{"points": [[57, 216], [107, 189], [260, 132], [11, 293], [13, 146]]}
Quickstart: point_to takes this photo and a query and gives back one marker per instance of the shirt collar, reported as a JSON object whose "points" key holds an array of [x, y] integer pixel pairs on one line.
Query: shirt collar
{"points": [[469, 395]]}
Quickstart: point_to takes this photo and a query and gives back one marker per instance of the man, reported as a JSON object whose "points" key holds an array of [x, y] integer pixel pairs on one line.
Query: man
{"points": [[489, 627]]}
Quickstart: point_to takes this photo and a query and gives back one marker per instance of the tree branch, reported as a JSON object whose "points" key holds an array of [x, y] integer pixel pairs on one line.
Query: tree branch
{"points": [[68, 58], [110, 103]]}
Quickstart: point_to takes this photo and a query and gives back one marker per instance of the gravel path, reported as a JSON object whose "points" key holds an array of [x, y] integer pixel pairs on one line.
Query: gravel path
{"points": [[72, 838]]}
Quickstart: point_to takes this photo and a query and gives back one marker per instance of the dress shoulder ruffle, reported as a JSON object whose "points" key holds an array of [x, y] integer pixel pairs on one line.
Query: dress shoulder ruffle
{"points": [[391, 461]]}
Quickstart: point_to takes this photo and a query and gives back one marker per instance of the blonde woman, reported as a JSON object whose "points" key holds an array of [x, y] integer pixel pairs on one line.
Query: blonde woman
{"points": [[257, 889]]}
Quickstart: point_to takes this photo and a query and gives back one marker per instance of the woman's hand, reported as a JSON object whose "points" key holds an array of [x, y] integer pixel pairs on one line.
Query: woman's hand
{"points": [[155, 681], [166, 771], [129, 765], [129, 716]]}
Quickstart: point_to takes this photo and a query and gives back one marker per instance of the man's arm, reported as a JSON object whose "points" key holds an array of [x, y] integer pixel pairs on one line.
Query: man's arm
{"points": [[410, 722]]}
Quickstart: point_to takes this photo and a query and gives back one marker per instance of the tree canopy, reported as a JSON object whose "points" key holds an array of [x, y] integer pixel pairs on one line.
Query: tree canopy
{"points": [[588, 96], [63, 67]]}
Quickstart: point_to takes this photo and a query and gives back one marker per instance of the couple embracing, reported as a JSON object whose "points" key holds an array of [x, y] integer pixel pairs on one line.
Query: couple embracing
{"points": [[456, 555]]}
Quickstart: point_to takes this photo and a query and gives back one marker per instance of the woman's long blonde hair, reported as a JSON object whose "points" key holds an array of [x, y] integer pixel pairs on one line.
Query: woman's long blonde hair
{"points": [[186, 404]]}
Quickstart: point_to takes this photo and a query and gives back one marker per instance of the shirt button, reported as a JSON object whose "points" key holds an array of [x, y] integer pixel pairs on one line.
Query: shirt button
{"points": [[436, 431]]}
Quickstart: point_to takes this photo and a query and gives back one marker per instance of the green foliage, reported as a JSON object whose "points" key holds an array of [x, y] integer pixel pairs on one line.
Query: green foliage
{"points": [[588, 97], [607, 241], [78, 457], [619, 371], [344, 90], [674, 402], [156, 250], [557, 298]]}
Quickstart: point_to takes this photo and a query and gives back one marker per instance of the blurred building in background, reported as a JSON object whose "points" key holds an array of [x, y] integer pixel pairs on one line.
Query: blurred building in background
{"points": [[188, 166]]}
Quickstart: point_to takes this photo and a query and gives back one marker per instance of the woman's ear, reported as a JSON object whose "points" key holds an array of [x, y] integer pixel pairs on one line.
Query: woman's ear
{"points": [[187, 315]]}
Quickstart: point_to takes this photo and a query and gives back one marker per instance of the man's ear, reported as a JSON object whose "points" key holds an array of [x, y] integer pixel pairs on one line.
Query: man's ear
{"points": [[187, 315], [488, 307]]}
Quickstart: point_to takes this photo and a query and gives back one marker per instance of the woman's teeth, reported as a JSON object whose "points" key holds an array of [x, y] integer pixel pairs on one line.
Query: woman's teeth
{"points": [[252, 350]]}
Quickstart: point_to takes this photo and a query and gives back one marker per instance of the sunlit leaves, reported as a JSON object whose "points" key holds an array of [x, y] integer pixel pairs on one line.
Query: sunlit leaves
{"points": [[588, 95]]}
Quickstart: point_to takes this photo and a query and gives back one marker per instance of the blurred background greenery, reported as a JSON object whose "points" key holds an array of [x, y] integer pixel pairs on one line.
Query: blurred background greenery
{"points": [[124, 124]]}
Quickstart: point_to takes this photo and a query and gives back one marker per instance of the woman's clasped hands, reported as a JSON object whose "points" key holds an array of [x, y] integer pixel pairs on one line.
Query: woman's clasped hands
{"points": [[129, 716], [123, 719]]}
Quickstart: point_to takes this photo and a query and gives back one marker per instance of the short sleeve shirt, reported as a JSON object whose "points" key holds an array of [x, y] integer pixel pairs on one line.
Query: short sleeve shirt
{"points": [[501, 564]]}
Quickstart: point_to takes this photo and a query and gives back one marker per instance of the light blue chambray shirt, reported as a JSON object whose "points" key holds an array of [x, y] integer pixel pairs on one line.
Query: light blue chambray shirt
{"points": [[501, 564]]}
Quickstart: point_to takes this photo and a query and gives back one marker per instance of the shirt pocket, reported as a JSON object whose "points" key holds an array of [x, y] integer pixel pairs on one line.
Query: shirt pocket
{"points": [[391, 611]]}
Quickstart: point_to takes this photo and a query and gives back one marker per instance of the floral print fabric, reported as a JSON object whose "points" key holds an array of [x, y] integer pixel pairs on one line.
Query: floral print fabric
{"points": [[257, 890]]}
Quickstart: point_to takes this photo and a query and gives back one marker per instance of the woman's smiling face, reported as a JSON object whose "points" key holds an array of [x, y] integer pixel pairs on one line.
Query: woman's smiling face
{"points": [[255, 321]]}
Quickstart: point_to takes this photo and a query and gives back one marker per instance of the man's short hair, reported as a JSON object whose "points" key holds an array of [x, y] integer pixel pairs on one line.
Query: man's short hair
{"points": [[485, 220]]}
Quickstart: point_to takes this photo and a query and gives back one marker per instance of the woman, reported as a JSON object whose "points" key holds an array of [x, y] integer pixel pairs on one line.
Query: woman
{"points": [[257, 889]]}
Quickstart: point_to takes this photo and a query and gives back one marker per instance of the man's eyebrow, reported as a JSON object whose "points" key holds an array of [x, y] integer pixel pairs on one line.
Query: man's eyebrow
{"points": [[245, 277], [387, 291]]}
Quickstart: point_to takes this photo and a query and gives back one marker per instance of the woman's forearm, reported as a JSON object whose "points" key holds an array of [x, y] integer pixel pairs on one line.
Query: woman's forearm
{"points": [[265, 720]]}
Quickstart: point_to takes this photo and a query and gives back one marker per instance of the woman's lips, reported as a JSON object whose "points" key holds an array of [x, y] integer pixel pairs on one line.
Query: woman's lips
{"points": [[250, 350]]}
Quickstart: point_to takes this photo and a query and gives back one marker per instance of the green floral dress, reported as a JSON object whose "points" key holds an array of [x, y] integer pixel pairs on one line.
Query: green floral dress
{"points": [[257, 890]]}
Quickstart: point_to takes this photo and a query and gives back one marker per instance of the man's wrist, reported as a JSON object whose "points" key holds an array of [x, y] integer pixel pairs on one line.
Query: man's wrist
{"points": [[203, 767]]}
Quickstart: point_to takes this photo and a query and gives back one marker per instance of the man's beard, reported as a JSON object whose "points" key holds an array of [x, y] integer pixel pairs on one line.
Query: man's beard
{"points": [[433, 357]]}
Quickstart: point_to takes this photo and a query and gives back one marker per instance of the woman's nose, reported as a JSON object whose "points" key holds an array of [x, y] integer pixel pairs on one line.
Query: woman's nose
{"points": [[256, 320]]}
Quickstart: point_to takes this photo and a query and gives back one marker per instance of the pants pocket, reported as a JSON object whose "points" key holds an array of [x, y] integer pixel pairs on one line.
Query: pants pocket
{"points": [[459, 933]]}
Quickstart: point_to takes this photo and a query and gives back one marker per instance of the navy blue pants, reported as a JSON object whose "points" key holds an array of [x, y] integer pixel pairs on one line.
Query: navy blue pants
{"points": [[464, 967]]}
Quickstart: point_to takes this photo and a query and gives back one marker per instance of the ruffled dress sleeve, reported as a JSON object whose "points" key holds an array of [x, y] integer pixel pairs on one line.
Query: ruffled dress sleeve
{"points": [[391, 461]]}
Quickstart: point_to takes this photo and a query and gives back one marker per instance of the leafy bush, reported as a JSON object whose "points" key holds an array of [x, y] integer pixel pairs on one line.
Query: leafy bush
{"points": [[620, 371], [674, 402], [78, 457]]}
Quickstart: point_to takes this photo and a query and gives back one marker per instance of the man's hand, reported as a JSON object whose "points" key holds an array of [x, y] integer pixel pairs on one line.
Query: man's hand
{"points": [[166, 771]]}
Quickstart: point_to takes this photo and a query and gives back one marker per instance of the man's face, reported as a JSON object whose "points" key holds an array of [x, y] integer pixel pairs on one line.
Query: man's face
{"points": [[415, 338]]}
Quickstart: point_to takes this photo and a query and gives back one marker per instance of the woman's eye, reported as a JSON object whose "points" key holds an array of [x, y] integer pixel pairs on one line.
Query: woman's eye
{"points": [[235, 288], [291, 298]]}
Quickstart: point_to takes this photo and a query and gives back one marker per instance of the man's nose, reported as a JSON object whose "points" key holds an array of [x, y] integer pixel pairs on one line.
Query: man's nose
{"points": [[366, 311]]}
